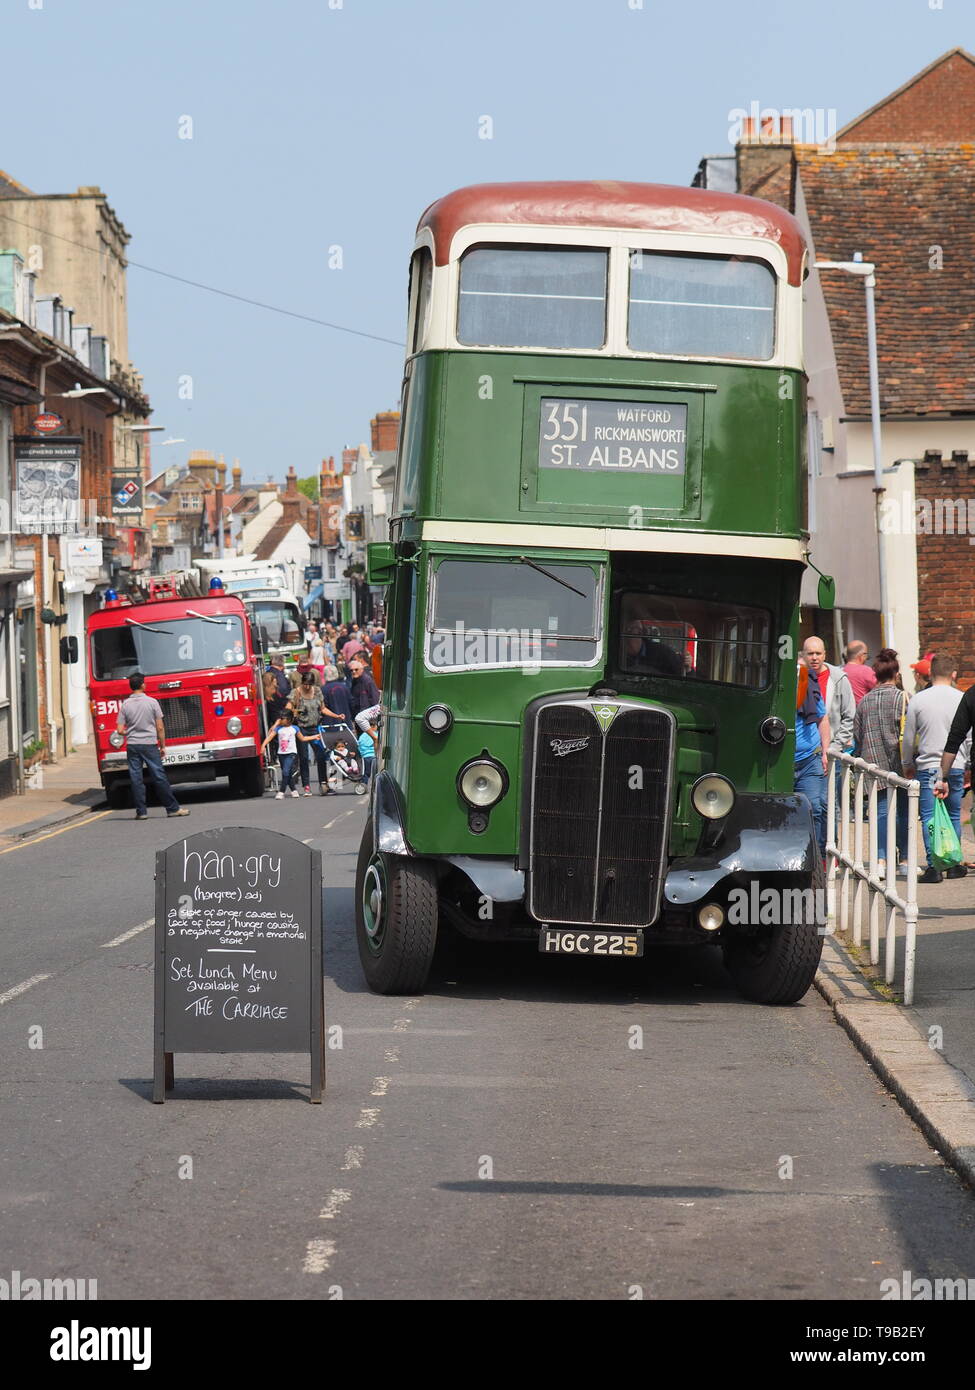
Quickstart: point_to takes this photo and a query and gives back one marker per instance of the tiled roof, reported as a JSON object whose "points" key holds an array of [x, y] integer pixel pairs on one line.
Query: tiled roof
{"points": [[269, 543], [902, 206]]}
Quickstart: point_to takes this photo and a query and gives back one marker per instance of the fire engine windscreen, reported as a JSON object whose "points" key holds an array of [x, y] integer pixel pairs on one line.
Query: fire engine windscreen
{"points": [[159, 648]]}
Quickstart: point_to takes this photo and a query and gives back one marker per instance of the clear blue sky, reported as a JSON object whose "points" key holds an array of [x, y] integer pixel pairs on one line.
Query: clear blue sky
{"points": [[316, 126]]}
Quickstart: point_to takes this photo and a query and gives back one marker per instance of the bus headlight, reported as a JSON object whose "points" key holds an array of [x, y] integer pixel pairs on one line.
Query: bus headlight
{"points": [[482, 783], [773, 730], [438, 719], [712, 796], [116, 739], [234, 725]]}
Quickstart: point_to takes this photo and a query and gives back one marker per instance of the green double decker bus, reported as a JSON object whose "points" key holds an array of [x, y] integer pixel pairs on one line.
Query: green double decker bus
{"points": [[595, 553]]}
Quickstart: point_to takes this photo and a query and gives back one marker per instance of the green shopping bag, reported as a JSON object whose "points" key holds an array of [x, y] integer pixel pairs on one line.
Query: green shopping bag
{"points": [[945, 844]]}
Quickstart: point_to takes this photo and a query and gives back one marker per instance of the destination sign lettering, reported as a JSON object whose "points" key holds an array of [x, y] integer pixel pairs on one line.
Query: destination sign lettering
{"points": [[615, 436]]}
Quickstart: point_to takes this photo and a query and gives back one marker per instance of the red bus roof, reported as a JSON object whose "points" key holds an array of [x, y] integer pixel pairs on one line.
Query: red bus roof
{"points": [[652, 207], [167, 610]]}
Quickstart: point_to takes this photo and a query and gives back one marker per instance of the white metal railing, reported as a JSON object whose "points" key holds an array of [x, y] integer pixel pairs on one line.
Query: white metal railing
{"points": [[847, 868]]}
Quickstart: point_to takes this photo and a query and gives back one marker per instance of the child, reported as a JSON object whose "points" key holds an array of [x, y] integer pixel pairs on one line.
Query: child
{"points": [[344, 758], [287, 749], [367, 748]]}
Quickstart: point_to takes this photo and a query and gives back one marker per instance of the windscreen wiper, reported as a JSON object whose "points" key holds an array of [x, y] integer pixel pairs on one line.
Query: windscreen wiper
{"points": [[524, 560], [219, 621], [162, 631]]}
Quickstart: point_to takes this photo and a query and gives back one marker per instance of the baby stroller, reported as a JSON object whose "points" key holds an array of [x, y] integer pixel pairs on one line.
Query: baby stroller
{"points": [[345, 765]]}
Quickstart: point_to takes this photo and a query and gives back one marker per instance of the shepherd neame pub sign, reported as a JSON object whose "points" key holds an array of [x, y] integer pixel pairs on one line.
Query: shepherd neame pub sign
{"points": [[618, 436]]}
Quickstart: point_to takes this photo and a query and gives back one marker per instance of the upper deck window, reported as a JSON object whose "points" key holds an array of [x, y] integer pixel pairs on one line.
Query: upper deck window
{"points": [[701, 306], [520, 296]]}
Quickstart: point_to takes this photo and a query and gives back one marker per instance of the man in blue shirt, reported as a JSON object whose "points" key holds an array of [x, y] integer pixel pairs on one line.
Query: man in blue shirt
{"points": [[812, 742]]}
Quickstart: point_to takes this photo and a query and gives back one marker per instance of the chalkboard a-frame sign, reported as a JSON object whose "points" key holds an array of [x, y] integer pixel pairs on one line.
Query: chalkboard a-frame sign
{"points": [[238, 949]]}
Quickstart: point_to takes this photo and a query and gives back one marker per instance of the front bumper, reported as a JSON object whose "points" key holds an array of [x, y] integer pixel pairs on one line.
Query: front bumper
{"points": [[219, 751]]}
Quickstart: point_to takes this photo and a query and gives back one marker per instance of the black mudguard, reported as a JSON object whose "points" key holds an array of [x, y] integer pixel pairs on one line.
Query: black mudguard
{"points": [[762, 835]]}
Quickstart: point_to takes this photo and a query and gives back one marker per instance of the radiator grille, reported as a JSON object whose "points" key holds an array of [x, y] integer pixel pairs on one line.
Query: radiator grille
{"points": [[599, 813], [182, 716]]}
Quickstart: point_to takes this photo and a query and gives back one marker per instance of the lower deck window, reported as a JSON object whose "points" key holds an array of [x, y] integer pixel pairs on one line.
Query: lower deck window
{"points": [[696, 639]]}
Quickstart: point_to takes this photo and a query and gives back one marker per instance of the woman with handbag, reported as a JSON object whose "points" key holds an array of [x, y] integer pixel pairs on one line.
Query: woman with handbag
{"points": [[878, 729]]}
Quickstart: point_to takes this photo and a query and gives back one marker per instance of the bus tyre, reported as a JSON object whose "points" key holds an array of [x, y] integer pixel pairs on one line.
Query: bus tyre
{"points": [[778, 964], [396, 910]]}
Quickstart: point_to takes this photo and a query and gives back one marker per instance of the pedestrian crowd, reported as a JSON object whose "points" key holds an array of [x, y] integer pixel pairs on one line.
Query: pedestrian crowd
{"points": [[327, 710], [864, 710]]}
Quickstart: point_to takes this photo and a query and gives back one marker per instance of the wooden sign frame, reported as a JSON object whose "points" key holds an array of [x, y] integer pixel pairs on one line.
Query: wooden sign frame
{"points": [[163, 1068]]}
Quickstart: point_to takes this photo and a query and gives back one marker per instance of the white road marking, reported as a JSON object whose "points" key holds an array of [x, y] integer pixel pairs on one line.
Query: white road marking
{"points": [[367, 1118], [411, 1004], [380, 1086], [23, 987], [308, 841], [318, 1255], [128, 935], [391, 1054], [353, 1158], [333, 1204], [400, 1025], [335, 819]]}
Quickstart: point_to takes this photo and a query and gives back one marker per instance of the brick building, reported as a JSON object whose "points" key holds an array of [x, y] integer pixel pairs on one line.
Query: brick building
{"points": [[898, 187]]}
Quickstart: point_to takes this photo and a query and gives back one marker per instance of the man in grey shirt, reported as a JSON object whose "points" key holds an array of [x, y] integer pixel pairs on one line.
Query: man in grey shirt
{"points": [[140, 720], [929, 717]]}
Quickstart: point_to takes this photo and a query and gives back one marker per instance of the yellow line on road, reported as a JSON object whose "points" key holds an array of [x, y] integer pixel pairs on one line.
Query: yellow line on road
{"points": [[37, 838]]}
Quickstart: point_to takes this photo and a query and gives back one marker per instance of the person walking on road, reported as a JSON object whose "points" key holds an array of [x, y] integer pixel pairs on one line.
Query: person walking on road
{"points": [[812, 740], [880, 717], [363, 694], [284, 731], [140, 721], [926, 730]]}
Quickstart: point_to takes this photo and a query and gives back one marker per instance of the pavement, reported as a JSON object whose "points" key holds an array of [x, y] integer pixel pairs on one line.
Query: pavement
{"points": [[70, 792], [925, 1054]]}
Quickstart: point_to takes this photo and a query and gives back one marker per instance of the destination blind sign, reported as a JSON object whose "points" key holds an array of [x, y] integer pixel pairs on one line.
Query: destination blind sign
{"points": [[612, 436]]}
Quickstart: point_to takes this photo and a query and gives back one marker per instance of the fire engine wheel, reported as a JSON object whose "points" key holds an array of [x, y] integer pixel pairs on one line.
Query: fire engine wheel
{"points": [[396, 911], [777, 965], [117, 793], [248, 780]]}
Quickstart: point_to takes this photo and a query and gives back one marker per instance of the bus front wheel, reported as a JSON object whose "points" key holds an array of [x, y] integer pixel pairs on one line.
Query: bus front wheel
{"points": [[396, 912], [777, 964]]}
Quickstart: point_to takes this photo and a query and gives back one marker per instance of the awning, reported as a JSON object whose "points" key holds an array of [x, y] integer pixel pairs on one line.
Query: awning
{"points": [[311, 597]]}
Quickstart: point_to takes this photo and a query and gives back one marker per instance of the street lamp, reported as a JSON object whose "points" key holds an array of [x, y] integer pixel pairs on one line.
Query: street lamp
{"points": [[866, 270]]}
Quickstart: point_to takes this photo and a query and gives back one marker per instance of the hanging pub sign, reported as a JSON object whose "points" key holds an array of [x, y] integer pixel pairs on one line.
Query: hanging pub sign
{"points": [[48, 423], [238, 949], [48, 485], [354, 526]]}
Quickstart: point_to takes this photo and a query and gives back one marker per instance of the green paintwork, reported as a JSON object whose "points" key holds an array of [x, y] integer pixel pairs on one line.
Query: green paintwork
{"points": [[471, 439], [468, 453], [717, 726]]}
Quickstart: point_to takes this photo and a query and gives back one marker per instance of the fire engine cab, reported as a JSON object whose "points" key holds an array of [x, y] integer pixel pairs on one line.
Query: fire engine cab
{"points": [[197, 660]]}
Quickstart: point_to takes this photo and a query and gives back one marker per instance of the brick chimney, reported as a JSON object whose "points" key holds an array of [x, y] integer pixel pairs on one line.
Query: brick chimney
{"points": [[291, 499], [384, 429], [765, 159], [236, 475], [349, 457]]}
